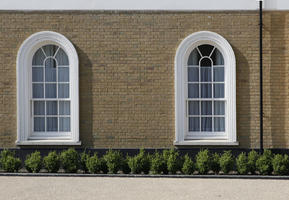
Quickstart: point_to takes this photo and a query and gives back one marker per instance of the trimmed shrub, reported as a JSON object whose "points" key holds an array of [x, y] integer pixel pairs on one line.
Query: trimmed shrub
{"points": [[83, 158], [158, 164], [215, 163], [139, 163], [113, 161], [188, 166], [166, 154], [93, 164], [51, 162], [264, 163], [252, 158], [8, 162], [242, 164], [227, 162], [69, 160], [203, 161], [33, 162], [280, 164], [173, 163]]}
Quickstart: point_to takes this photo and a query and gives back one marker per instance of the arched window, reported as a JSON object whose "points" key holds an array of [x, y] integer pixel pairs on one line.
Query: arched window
{"points": [[205, 93], [47, 91]]}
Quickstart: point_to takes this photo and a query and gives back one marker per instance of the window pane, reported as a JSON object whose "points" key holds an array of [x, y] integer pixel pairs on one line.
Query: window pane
{"points": [[51, 123], [217, 57], [219, 74], [50, 70], [61, 57], [50, 50], [219, 123], [39, 123], [206, 74], [206, 49], [63, 74], [38, 57], [50, 90], [64, 124], [194, 108], [64, 108], [39, 108], [206, 124], [194, 124], [218, 90], [63, 90], [193, 74], [194, 57], [51, 107], [206, 62], [37, 74], [206, 107], [219, 107], [193, 90], [206, 90], [37, 90]]}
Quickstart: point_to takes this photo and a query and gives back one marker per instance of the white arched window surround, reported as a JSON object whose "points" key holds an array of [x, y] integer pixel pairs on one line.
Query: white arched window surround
{"points": [[181, 59], [24, 89]]}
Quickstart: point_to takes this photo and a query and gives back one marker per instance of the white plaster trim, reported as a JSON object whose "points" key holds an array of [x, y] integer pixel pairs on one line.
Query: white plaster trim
{"points": [[47, 142], [142, 5], [207, 143], [182, 54], [23, 65]]}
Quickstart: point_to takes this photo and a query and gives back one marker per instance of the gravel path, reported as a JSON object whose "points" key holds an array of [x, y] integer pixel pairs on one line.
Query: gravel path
{"points": [[85, 188]]}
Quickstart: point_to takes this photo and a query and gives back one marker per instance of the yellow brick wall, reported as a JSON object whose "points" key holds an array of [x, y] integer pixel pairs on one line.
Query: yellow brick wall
{"points": [[127, 72]]}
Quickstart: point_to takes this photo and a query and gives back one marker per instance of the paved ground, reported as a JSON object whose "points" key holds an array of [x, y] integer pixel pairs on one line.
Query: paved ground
{"points": [[85, 188]]}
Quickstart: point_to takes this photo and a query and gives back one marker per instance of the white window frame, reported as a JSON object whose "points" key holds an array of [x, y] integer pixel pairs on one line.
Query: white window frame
{"points": [[181, 59], [24, 90]]}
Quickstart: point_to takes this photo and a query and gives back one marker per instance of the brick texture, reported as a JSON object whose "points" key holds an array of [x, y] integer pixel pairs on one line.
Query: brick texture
{"points": [[127, 72]]}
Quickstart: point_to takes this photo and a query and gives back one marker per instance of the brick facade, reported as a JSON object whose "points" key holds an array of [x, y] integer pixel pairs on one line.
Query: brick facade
{"points": [[126, 72]]}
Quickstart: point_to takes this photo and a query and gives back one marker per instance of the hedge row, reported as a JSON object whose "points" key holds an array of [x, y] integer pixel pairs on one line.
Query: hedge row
{"points": [[167, 162]]}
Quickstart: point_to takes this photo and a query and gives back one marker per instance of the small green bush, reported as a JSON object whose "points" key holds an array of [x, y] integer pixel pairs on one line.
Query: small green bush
{"points": [[69, 160], [252, 158], [139, 163], [93, 164], [158, 164], [113, 161], [33, 162], [215, 163], [242, 164], [83, 158], [203, 161], [51, 162], [166, 154], [4, 154], [227, 162], [8, 161], [11, 164], [188, 166], [280, 164], [264, 163], [173, 162]]}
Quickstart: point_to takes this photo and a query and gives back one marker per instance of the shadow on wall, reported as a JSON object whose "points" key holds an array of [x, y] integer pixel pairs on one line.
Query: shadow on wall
{"points": [[243, 108], [278, 79], [85, 98]]}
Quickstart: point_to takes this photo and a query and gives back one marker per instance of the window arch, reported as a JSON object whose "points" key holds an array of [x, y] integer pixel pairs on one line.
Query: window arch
{"points": [[205, 91], [47, 91]]}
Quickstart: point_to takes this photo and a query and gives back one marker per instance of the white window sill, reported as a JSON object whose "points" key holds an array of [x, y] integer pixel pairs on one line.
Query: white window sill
{"points": [[206, 142], [48, 142]]}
